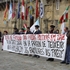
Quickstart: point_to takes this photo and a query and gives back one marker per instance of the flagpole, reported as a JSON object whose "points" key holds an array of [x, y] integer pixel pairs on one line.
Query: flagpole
{"points": [[18, 16], [35, 12], [6, 20], [21, 17], [15, 16], [40, 19]]}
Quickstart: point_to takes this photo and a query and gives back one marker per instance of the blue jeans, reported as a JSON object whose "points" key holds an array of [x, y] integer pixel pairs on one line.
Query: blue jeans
{"points": [[67, 55]]}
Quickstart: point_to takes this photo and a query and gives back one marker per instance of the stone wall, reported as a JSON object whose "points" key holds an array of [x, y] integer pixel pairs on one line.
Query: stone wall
{"points": [[50, 13]]}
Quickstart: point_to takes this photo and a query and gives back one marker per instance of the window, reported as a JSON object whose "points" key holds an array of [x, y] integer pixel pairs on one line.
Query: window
{"points": [[57, 4]]}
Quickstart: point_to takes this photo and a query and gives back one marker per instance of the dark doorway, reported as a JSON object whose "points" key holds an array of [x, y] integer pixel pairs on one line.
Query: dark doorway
{"points": [[31, 21]]}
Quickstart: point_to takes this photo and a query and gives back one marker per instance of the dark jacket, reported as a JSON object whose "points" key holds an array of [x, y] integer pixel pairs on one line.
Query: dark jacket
{"points": [[21, 32], [68, 38], [38, 32], [29, 32]]}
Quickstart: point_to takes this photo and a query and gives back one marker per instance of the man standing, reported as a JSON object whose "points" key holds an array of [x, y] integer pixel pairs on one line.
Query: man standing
{"points": [[52, 32], [0, 36], [52, 29], [28, 31], [67, 55], [21, 31], [16, 31], [37, 32]]}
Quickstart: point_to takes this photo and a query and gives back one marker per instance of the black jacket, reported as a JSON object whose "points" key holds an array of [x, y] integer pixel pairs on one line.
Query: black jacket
{"points": [[38, 32]]}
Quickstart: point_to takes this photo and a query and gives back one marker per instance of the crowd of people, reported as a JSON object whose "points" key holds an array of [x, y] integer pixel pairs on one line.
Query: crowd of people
{"points": [[52, 31]]}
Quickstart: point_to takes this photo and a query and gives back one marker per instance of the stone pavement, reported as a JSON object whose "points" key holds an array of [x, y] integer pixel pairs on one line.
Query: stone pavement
{"points": [[12, 61]]}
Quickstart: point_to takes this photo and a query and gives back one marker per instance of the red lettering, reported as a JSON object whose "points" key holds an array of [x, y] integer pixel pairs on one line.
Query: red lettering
{"points": [[7, 37], [32, 37], [24, 37], [60, 37], [17, 37], [42, 37]]}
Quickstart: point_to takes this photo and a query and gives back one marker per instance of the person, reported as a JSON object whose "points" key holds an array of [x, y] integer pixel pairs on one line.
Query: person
{"points": [[57, 31], [28, 31], [21, 31], [52, 32], [67, 54], [4, 33], [16, 31], [37, 32], [52, 29], [0, 36]]}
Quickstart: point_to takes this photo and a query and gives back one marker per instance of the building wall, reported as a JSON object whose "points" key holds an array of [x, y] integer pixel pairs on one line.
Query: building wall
{"points": [[50, 13]]}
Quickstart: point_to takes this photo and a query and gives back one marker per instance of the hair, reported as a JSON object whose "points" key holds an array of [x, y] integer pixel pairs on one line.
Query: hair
{"points": [[6, 32], [66, 28], [28, 27]]}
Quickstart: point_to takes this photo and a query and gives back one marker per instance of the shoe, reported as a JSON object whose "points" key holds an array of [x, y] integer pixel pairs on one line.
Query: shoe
{"points": [[26, 54], [38, 56], [35, 56], [1, 49], [29, 55], [63, 62], [67, 63], [50, 59]]}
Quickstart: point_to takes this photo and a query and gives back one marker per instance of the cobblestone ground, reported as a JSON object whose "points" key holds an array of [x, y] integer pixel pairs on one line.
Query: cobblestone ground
{"points": [[12, 61]]}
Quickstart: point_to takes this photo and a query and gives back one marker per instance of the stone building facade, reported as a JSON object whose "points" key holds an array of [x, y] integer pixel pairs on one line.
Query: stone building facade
{"points": [[52, 14]]}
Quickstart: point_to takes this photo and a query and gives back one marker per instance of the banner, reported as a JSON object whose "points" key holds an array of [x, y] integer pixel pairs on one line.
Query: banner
{"points": [[45, 45]]}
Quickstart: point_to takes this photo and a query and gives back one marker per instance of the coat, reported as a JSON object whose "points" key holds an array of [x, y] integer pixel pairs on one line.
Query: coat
{"points": [[38, 32], [68, 38], [29, 32]]}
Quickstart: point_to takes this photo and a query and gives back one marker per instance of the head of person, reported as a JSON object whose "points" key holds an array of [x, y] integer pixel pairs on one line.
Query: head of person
{"points": [[52, 27], [22, 30], [66, 29], [15, 29], [36, 27], [5, 32], [57, 31], [28, 28]]}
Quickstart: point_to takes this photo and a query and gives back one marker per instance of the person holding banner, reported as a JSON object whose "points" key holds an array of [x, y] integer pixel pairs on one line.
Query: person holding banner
{"points": [[16, 31], [21, 31], [52, 32], [28, 31], [67, 55], [4, 33], [37, 32]]}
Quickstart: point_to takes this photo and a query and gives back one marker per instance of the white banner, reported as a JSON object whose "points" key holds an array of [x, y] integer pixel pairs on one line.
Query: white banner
{"points": [[45, 45]]}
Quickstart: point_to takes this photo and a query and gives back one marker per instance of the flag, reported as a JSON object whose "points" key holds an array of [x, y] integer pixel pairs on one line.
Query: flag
{"points": [[37, 11], [13, 12], [25, 28], [22, 10], [10, 12], [6, 13], [62, 27], [32, 29], [64, 19], [41, 9], [30, 9], [26, 12], [18, 11]]}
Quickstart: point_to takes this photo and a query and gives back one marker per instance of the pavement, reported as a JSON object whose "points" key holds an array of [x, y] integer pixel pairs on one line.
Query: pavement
{"points": [[12, 61]]}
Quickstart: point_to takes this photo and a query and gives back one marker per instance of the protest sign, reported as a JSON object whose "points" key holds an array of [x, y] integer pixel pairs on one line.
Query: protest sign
{"points": [[45, 45]]}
